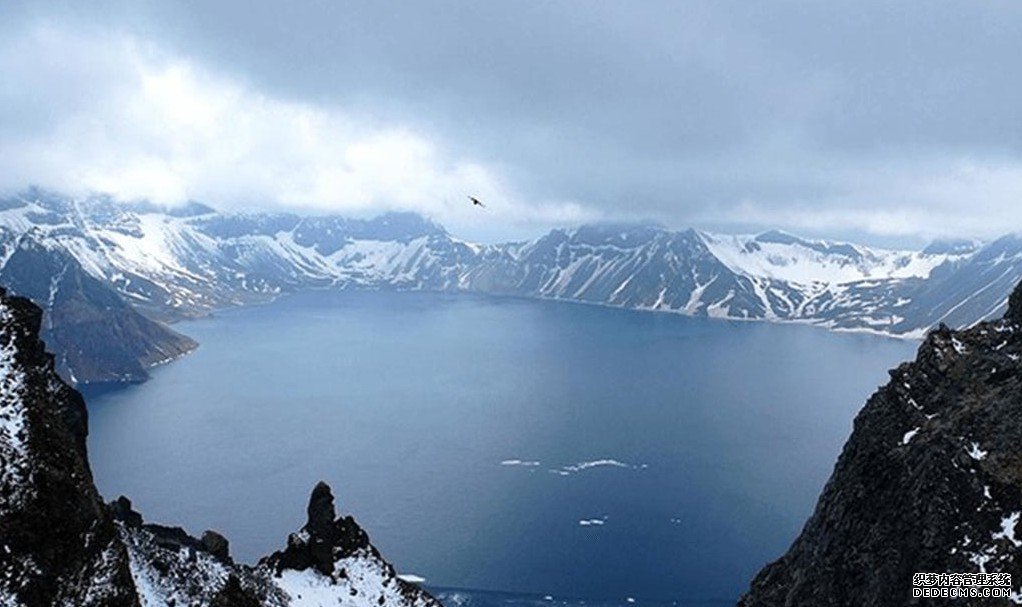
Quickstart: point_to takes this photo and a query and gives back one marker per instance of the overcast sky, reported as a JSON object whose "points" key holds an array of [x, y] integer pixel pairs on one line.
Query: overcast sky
{"points": [[892, 122]]}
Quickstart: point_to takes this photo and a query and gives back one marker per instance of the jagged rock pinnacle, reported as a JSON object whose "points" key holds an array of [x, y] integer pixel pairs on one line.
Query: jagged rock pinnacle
{"points": [[320, 528], [321, 509]]}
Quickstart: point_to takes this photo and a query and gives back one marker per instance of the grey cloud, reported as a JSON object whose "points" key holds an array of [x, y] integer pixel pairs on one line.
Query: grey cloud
{"points": [[682, 112]]}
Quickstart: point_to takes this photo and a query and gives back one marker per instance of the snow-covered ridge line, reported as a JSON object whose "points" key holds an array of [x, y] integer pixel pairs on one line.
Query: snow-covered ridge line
{"points": [[174, 264], [780, 256]]}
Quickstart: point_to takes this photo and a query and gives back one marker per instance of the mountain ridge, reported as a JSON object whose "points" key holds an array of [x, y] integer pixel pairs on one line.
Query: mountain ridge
{"points": [[172, 266]]}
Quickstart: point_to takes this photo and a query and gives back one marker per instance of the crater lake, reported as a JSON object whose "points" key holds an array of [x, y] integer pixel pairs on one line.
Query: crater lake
{"points": [[512, 445]]}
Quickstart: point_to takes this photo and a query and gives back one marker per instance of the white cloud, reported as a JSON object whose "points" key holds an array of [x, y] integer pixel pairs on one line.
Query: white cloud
{"points": [[937, 195], [119, 116]]}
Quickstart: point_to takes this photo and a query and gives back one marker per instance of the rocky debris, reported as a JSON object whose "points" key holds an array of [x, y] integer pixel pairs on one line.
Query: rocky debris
{"points": [[329, 557], [169, 567], [61, 545], [929, 481]]}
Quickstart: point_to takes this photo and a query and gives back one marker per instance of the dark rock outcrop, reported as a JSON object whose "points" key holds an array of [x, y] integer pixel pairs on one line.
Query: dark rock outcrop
{"points": [[216, 544], [324, 538], [929, 481], [61, 545], [337, 549]]}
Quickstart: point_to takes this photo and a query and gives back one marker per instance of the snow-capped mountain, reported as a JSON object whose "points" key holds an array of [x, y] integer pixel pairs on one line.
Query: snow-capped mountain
{"points": [[96, 334], [771, 276], [181, 262], [176, 263], [778, 255], [63, 546]]}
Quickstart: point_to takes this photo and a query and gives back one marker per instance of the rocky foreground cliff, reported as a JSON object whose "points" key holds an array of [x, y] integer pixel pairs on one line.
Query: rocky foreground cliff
{"points": [[930, 481], [61, 545]]}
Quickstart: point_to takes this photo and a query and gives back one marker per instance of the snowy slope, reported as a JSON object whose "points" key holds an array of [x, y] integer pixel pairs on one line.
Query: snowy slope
{"points": [[781, 256], [185, 262]]}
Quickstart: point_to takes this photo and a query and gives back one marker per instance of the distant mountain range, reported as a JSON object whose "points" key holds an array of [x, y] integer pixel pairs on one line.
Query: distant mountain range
{"points": [[170, 264]]}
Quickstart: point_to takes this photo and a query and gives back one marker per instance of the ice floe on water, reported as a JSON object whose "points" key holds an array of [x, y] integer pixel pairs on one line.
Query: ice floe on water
{"points": [[526, 463], [597, 463], [569, 469], [593, 522]]}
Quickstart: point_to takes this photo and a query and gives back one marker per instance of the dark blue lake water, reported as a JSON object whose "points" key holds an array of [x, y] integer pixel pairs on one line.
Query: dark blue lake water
{"points": [[509, 445]]}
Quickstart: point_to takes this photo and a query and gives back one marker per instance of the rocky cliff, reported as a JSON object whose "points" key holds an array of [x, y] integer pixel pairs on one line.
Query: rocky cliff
{"points": [[96, 335], [61, 545], [929, 481]]}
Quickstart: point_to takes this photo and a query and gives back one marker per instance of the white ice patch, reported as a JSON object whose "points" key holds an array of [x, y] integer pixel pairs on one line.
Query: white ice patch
{"points": [[527, 463], [909, 436], [366, 582], [1007, 531], [806, 262], [592, 522], [597, 463], [976, 453]]}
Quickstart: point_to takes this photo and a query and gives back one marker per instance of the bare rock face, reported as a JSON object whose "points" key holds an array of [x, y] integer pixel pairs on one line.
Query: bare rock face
{"points": [[929, 481], [96, 335], [61, 545], [216, 544]]}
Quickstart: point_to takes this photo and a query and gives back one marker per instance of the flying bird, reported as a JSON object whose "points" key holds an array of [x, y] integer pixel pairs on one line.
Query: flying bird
{"points": [[476, 202]]}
